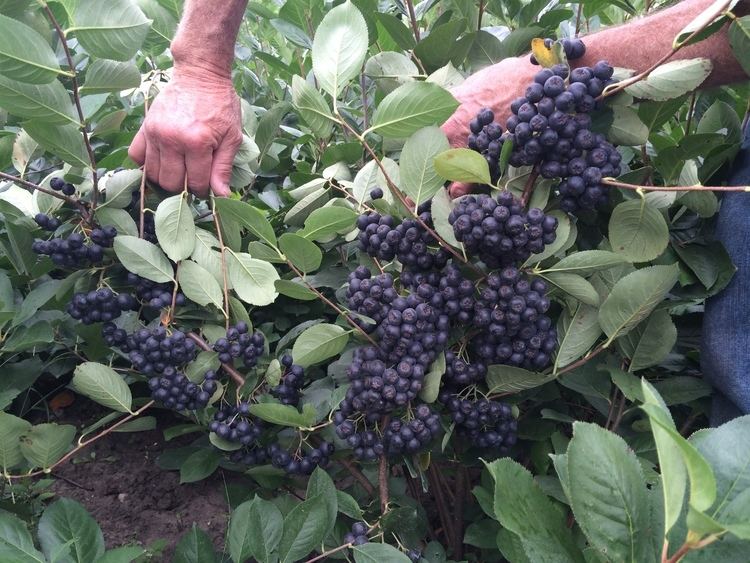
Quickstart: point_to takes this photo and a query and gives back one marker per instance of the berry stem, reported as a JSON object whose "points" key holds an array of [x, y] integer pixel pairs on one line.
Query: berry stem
{"points": [[83, 444], [383, 482], [233, 373], [31, 186], [637, 187], [329, 552], [77, 100], [413, 19]]}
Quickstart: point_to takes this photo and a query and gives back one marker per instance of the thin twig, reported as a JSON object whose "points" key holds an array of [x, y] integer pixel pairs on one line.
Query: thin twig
{"points": [[595, 352], [358, 475], [480, 15], [440, 501], [637, 187], [332, 305], [383, 474], [690, 113], [142, 194], [462, 479], [224, 274], [82, 444], [31, 186], [233, 373], [578, 18], [77, 100]]}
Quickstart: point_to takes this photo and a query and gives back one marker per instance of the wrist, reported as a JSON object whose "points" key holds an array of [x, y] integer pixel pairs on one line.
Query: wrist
{"points": [[190, 61]]}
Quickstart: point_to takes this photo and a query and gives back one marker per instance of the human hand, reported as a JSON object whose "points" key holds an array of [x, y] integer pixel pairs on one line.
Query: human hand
{"points": [[494, 87], [194, 127]]}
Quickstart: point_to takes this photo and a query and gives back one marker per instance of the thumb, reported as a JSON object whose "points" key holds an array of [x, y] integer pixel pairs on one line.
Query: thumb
{"points": [[221, 167], [457, 189]]}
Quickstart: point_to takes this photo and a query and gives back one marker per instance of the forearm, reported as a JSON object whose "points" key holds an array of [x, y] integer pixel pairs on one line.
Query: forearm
{"points": [[206, 36], [643, 41]]}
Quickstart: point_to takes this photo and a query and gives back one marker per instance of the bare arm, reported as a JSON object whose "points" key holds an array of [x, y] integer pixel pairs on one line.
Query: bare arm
{"points": [[194, 126], [636, 45]]}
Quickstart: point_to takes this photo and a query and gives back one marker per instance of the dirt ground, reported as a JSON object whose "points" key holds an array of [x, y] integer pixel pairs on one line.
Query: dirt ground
{"points": [[136, 502]]}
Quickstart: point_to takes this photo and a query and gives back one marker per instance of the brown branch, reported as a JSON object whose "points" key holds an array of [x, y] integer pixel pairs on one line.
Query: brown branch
{"points": [[528, 189], [142, 210], [233, 373], [77, 100], [413, 19], [358, 475], [31, 186], [578, 18], [480, 15], [578, 363], [332, 305], [82, 444], [690, 113], [627, 186], [440, 502], [383, 475], [462, 479]]}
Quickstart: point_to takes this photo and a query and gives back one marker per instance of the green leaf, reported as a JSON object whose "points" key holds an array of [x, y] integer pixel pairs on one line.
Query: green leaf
{"points": [[633, 298], [390, 70], [119, 188], [577, 333], [627, 128], [66, 523], [321, 484], [140, 424], [47, 102], [709, 20], [43, 444], [739, 40], [318, 343], [510, 379], [347, 505], [125, 554], [419, 178], [522, 508], [16, 545], [295, 290], [411, 107], [114, 30], [104, 76], [24, 54], [327, 221], [727, 450], [248, 217], [638, 231], [64, 141], [102, 384], [199, 285], [378, 553], [722, 118], [175, 229], [672, 79], [194, 547], [304, 529], [143, 258], [440, 208], [199, 465], [440, 46], [672, 467], [587, 262], [305, 255], [486, 50], [35, 300], [431, 386], [11, 430], [118, 218], [574, 285], [339, 48], [463, 165], [29, 337], [649, 342], [396, 28], [255, 530], [285, 415], [702, 480], [608, 493], [312, 107], [252, 280]]}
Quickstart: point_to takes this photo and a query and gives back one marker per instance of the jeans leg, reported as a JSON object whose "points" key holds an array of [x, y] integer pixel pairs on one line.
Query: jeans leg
{"points": [[725, 347]]}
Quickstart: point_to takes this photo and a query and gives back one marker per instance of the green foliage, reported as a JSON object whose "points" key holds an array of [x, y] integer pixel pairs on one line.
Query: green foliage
{"points": [[337, 101]]}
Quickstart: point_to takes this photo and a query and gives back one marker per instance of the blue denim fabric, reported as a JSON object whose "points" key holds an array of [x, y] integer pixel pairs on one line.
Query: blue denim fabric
{"points": [[725, 347]]}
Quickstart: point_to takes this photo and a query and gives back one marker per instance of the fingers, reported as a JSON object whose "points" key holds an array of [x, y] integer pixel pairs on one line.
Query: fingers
{"points": [[171, 169], [221, 168], [137, 150], [151, 162], [198, 164]]}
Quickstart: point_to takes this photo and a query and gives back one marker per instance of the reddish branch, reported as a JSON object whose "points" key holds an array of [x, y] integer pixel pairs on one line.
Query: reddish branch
{"points": [[233, 373]]}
